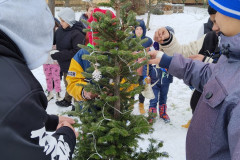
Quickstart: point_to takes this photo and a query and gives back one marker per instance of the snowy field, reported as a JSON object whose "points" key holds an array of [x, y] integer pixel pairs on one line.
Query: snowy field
{"points": [[186, 26]]}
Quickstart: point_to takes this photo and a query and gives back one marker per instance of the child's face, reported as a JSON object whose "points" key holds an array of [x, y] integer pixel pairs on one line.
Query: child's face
{"points": [[139, 31], [215, 26], [227, 25], [89, 11], [64, 24]]}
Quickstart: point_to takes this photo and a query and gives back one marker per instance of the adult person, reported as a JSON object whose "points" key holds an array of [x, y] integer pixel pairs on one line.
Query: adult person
{"points": [[24, 121]]}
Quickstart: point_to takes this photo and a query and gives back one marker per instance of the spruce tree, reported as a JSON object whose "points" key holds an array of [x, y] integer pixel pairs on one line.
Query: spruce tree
{"points": [[108, 129]]}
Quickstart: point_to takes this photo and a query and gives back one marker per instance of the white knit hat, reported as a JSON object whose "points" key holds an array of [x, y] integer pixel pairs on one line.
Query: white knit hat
{"points": [[68, 15]]}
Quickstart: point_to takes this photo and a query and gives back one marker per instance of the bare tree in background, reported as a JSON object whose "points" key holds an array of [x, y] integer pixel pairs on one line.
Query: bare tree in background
{"points": [[67, 4], [150, 7], [183, 1], [51, 4]]}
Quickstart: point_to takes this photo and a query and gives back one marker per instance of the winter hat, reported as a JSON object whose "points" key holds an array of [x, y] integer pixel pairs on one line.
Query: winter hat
{"points": [[230, 8], [90, 35], [68, 15], [30, 25]]}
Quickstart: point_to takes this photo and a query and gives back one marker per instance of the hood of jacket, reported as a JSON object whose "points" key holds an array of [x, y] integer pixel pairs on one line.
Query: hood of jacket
{"points": [[29, 24], [143, 26], [9, 49], [231, 46]]}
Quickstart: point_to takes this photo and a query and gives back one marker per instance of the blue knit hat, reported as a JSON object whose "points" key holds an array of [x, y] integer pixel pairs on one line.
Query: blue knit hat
{"points": [[230, 8]]}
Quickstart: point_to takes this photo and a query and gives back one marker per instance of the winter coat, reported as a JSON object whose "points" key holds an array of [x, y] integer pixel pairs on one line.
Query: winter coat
{"points": [[210, 48], [186, 50], [205, 28], [211, 52], [67, 41], [74, 76], [157, 74], [23, 119], [214, 132]]}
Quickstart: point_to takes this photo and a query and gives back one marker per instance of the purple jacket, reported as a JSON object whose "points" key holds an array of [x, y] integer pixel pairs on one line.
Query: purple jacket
{"points": [[214, 133]]}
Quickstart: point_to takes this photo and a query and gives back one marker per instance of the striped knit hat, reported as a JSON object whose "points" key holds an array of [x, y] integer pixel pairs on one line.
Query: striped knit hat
{"points": [[230, 8]]}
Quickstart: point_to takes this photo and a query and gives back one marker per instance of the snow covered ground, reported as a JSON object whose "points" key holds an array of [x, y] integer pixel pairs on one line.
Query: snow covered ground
{"points": [[186, 26]]}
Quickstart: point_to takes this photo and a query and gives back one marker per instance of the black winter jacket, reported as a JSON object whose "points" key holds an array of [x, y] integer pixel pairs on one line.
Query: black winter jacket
{"points": [[208, 26], [67, 41], [23, 119]]}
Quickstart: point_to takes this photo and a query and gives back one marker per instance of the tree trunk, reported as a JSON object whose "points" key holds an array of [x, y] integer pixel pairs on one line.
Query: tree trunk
{"points": [[148, 20], [51, 4], [117, 104], [149, 6], [67, 4], [117, 7]]}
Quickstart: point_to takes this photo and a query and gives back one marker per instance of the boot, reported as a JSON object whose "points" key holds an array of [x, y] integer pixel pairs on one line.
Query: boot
{"points": [[141, 108], [50, 96], [58, 97], [187, 125], [152, 114], [63, 103], [163, 113]]}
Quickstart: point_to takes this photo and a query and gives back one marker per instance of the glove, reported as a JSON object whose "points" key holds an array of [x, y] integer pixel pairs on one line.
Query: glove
{"points": [[50, 58]]}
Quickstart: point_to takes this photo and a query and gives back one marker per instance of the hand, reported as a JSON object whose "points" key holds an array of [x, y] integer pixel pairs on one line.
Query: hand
{"points": [[134, 53], [89, 95], [161, 34], [67, 119], [65, 123], [153, 54], [154, 59], [199, 57], [54, 47]]}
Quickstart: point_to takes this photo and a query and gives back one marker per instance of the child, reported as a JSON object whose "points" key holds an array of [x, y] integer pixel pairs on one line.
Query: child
{"points": [[67, 38], [160, 79], [52, 73], [214, 132], [86, 16], [140, 32]]}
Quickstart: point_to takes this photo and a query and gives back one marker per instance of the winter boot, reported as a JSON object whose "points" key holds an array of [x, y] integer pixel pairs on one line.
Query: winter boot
{"points": [[152, 114], [63, 103], [141, 108], [187, 125], [50, 96], [163, 113], [58, 97]]}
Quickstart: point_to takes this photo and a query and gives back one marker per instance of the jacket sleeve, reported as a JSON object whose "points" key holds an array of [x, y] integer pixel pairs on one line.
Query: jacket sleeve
{"points": [[52, 122], [75, 77], [233, 130], [67, 55], [186, 50], [194, 73], [26, 132]]}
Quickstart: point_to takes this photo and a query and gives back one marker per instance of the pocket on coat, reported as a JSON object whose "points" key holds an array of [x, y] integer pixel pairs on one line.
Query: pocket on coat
{"points": [[214, 92]]}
